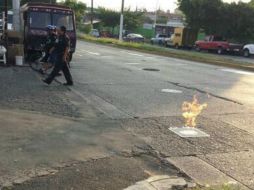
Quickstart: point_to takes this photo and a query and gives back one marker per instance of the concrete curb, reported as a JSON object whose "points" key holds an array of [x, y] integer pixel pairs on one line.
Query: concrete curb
{"points": [[161, 182], [172, 55]]}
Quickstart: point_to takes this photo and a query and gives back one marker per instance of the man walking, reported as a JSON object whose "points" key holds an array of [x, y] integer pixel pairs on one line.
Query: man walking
{"points": [[61, 49]]}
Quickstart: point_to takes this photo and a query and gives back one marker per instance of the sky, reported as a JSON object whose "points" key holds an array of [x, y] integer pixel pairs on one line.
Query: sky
{"points": [[148, 4]]}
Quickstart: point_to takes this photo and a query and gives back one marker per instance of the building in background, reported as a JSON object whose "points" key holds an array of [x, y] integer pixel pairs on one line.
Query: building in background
{"points": [[163, 22]]}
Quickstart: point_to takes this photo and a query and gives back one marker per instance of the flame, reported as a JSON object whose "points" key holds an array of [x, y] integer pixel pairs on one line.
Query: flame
{"points": [[191, 110]]}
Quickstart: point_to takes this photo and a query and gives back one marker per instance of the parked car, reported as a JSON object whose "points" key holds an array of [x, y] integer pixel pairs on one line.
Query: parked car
{"points": [[182, 38], [248, 50], [218, 44], [134, 38], [159, 39], [95, 33]]}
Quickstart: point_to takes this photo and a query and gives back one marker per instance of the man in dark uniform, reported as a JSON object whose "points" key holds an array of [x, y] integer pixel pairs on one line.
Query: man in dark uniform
{"points": [[61, 49]]}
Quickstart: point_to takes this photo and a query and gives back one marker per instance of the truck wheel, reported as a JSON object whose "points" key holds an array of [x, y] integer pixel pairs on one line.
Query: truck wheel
{"points": [[197, 48], [160, 43], [152, 42], [246, 53], [176, 46], [220, 51]]}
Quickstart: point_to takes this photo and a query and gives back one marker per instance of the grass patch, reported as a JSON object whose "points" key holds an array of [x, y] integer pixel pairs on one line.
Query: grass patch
{"points": [[187, 55]]}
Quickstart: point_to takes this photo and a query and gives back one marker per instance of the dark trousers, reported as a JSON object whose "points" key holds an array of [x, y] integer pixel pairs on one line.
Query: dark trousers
{"points": [[60, 65]]}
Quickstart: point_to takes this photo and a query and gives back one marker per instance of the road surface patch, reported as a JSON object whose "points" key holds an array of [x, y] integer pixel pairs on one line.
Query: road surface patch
{"points": [[150, 69]]}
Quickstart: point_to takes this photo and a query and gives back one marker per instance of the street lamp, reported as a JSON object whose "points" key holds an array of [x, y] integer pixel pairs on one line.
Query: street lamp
{"points": [[121, 22]]}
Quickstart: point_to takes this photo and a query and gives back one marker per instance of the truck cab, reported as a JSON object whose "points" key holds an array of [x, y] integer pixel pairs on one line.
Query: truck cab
{"points": [[218, 44], [182, 38]]}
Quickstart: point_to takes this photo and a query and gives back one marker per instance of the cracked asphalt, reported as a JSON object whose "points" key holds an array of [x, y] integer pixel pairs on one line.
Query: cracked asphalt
{"points": [[115, 107]]}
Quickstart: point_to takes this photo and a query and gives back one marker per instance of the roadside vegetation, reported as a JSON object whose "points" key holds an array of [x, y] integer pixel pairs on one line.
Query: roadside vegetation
{"points": [[157, 50]]}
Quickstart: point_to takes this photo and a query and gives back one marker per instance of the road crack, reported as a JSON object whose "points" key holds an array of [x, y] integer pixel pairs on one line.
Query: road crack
{"points": [[205, 92]]}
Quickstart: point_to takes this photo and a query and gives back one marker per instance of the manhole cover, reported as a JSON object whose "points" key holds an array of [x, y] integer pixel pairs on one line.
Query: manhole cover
{"points": [[172, 91], [150, 69], [188, 132]]}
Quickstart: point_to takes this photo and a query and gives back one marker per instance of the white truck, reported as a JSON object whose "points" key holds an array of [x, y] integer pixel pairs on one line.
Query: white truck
{"points": [[159, 39], [248, 50]]}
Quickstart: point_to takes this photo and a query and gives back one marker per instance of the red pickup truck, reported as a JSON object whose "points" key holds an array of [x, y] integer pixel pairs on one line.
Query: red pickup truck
{"points": [[218, 44]]}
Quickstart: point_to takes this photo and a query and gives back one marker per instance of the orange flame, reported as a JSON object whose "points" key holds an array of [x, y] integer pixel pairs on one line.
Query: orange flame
{"points": [[191, 110]]}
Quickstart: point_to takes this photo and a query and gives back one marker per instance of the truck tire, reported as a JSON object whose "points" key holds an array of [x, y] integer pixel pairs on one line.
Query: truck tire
{"points": [[152, 42], [246, 53], [160, 43], [220, 51], [197, 48]]}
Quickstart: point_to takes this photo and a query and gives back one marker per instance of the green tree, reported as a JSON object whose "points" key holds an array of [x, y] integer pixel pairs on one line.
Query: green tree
{"points": [[132, 20], [204, 14], [78, 7], [2, 5], [233, 21], [238, 22], [108, 17], [22, 2]]}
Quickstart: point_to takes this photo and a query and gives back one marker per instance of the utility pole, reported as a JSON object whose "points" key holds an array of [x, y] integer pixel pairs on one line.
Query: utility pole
{"points": [[92, 13], [6, 27], [5, 15], [121, 22], [16, 14]]}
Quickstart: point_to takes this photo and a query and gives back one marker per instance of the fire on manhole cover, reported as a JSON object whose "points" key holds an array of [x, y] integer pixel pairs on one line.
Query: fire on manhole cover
{"points": [[151, 69]]}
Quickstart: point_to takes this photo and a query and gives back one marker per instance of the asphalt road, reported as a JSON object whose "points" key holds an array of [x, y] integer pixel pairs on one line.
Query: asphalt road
{"points": [[117, 77], [116, 114]]}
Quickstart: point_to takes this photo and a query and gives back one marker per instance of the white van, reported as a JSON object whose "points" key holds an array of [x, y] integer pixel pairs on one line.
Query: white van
{"points": [[248, 50]]}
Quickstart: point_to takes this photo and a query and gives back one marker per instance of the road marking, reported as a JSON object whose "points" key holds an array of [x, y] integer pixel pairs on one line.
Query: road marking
{"points": [[238, 71], [135, 54], [90, 52], [130, 53], [79, 55], [172, 91]]}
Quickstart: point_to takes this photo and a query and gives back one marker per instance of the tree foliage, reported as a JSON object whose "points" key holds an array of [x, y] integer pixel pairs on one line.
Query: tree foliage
{"points": [[2, 7], [233, 21], [22, 2], [108, 17], [78, 7], [132, 20]]}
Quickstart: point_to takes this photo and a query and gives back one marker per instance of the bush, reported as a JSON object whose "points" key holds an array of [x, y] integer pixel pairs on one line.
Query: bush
{"points": [[84, 28]]}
